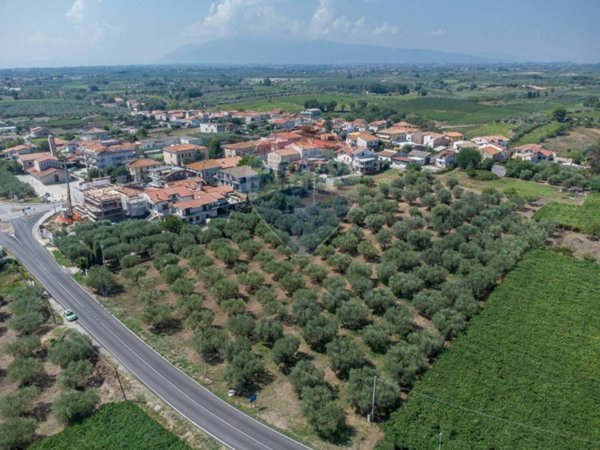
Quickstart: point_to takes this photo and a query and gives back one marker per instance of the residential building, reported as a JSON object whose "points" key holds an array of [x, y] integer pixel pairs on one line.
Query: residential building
{"points": [[377, 125], [100, 156], [208, 169], [140, 168], [178, 155], [454, 136], [387, 155], [241, 179], [212, 127], [362, 160], [494, 152], [258, 148], [94, 134], [533, 153], [445, 159], [38, 132], [419, 157], [281, 158], [40, 161], [363, 140], [14, 152], [312, 113]]}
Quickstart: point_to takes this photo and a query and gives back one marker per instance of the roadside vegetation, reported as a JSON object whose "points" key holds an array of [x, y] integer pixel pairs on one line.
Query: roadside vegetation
{"points": [[10, 186], [523, 376], [407, 270]]}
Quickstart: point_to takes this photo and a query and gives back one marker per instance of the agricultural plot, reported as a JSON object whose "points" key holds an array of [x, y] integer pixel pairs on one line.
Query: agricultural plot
{"points": [[585, 218], [408, 268], [115, 425], [302, 218], [525, 375]]}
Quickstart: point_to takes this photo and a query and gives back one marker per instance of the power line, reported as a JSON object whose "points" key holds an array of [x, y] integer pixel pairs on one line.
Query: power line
{"points": [[501, 419]]}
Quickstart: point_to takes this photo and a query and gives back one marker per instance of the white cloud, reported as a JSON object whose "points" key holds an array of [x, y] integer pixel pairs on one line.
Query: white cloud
{"points": [[437, 33], [227, 18], [76, 13]]}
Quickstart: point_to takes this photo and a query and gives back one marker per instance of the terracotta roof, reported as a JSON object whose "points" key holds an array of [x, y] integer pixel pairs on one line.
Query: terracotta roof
{"points": [[222, 163], [453, 134], [490, 150], [184, 148], [37, 157], [287, 152], [367, 137], [43, 173], [142, 163]]}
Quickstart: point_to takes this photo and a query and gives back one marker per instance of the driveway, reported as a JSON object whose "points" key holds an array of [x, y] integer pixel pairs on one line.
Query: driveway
{"points": [[58, 192]]}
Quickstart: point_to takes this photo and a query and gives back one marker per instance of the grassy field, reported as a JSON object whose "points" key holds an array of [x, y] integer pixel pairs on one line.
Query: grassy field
{"points": [[53, 107], [443, 109], [585, 218], [575, 139], [540, 134], [489, 129], [114, 426], [526, 373], [529, 190]]}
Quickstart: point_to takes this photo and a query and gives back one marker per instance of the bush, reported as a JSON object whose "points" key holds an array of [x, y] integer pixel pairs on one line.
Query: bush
{"points": [[344, 354], [171, 273], [319, 331], [73, 346], [25, 370], [182, 286], [211, 343], [77, 375], [377, 338], [200, 318], [268, 331], [74, 406], [128, 261], [353, 315], [244, 368], [284, 351], [359, 392], [241, 325], [305, 306], [17, 433], [324, 415], [405, 362], [379, 300], [158, 316], [305, 374], [26, 323], [101, 279], [18, 403]]}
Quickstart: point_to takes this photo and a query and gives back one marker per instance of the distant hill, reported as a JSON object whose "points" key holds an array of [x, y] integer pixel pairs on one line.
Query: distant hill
{"points": [[281, 51]]}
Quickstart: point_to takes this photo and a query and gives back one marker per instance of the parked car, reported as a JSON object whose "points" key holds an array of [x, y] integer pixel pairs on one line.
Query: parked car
{"points": [[69, 315]]}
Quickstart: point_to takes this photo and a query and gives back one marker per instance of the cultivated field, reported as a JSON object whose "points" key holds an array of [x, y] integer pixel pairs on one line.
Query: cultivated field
{"points": [[525, 375]]}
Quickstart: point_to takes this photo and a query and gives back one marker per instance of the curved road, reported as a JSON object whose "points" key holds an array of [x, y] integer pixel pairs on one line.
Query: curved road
{"points": [[223, 422]]}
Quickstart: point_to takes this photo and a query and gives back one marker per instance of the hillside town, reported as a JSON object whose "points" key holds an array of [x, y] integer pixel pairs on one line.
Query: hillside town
{"points": [[177, 174]]}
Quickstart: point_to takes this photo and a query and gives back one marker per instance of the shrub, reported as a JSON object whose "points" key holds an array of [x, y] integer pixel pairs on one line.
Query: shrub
{"points": [[319, 331], [353, 315], [305, 374], [284, 351], [379, 300], [17, 433], [359, 392], [182, 286], [344, 354], [200, 318], [101, 279], [74, 406], [244, 368], [26, 323], [377, 338], [24, 346], [73, 346], [25, 370], [18, 403], [268, 331], [158, 316], [172, 272], [405, 362], [324, 415], [77, 374], [211, 342]]}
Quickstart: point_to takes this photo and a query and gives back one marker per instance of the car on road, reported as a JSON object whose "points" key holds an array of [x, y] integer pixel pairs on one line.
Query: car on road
{"points": [[69, 315]]}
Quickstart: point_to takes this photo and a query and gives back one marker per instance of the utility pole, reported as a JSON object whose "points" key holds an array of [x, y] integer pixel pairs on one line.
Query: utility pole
{"points": [[373, 399]]}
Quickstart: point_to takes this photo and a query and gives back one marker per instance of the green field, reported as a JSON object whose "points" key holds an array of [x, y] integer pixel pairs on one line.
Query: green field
{"points": [[442, 109], [585, 218], [539, 134], [115, 426], [525, 375], [529, 190]]}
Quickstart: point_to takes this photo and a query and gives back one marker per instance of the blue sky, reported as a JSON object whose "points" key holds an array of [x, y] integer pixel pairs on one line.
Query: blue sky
{"points": [[98, 32]]}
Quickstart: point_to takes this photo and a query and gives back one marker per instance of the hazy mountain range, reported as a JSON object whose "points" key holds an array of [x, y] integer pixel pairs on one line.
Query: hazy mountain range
{"points": [[281, 51]]}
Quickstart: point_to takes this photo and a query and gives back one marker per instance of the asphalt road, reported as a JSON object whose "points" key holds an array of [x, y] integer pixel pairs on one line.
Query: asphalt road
{"points": [[211, 414]]}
